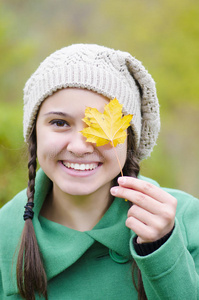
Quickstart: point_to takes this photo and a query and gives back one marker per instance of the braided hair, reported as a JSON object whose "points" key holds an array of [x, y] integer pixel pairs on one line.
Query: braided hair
{"points": [[132, 168], [31, 275]]}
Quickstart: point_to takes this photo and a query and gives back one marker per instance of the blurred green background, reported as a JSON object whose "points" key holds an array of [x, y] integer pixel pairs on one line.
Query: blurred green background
{"points": [[164, 35]]}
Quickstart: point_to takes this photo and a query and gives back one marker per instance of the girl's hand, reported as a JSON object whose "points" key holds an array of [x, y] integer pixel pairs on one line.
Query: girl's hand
{"points": [[153, 211]]}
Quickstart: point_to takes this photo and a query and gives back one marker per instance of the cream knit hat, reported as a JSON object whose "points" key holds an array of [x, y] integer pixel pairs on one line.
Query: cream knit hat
{"points": [[105, 71]]}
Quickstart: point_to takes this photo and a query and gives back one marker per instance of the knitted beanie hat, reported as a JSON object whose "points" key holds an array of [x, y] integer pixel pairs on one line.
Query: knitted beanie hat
{"points": [[113, 74]]}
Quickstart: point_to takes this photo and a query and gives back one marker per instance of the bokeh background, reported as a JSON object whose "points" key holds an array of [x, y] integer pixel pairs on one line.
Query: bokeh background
{"points": [[164, 35]]}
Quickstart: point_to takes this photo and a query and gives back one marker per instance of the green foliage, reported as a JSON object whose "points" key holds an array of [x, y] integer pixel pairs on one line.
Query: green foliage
{"points": [[162, 34], [13, 157], [15, 51]]}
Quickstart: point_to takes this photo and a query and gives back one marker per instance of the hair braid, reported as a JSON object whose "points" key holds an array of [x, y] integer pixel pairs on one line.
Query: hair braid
{"points": [[31, 276], [132, 168]]}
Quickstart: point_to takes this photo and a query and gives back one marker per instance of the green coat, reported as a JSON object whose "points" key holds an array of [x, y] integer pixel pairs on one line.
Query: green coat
{"points": [[97, 264]]}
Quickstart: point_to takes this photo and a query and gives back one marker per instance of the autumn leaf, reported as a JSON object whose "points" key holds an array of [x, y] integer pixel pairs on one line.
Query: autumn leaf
{"points": [[108, 127]]}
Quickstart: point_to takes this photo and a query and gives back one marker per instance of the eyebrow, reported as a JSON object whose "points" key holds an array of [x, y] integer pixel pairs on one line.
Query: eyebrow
{"points": [[58, 113]]}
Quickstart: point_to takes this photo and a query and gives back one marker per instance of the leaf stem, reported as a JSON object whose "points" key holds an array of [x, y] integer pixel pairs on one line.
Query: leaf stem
{"points": [[117, 158]]}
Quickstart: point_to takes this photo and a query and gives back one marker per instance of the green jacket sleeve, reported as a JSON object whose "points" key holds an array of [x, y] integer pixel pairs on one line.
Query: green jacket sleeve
{"points": [[172, 271]]}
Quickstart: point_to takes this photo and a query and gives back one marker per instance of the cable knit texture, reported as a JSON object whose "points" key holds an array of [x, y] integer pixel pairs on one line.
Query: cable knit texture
{"points": [[105, 71]]}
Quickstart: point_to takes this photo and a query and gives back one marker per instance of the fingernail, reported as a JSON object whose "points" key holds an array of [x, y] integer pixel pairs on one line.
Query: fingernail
{"points": [[114, 191], [121, 180]]}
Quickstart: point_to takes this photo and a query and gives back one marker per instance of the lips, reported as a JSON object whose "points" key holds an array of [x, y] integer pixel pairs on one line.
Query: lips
{"points": [[81, 166]]}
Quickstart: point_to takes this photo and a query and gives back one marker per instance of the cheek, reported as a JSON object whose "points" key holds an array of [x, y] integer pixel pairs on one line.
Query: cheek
{"points": [[121, 150], [48, 146], [109, 153]]}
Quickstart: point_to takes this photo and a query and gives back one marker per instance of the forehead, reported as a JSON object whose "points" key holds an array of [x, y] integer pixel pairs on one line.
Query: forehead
{"points": [[73, 99]]}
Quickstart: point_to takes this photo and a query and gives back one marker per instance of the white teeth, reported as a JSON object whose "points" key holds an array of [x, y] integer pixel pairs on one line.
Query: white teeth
{"points": [[81, 167]]}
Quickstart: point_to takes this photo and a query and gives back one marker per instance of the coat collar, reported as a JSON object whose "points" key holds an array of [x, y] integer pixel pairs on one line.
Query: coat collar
{"points": [[61, 246]]}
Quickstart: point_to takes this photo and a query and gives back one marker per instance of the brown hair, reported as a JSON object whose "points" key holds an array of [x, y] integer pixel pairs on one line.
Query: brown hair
{"points": [[31, 276], [132, 168]]}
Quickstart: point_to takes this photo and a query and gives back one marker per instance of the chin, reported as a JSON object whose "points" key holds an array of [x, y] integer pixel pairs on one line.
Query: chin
{"points": [[84, 189], [82, 193]]}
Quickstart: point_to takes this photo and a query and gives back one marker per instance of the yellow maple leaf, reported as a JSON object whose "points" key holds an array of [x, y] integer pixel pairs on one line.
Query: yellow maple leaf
{"points": [[106, 127]]}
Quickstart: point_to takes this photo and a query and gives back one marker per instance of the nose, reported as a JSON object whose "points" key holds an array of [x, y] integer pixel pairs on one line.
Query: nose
{"points": [[78, 145]]}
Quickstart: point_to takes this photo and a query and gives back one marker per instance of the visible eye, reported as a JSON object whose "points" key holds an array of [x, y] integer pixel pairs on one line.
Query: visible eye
{"points": [[59, 123]]}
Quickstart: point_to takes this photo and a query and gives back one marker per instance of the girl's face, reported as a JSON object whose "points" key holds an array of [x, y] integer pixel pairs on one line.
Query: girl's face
{"points": [[75, 166]]}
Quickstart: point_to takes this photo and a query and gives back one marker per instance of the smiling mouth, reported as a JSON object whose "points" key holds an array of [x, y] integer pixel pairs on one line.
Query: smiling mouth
{"points": [[81, 167]]}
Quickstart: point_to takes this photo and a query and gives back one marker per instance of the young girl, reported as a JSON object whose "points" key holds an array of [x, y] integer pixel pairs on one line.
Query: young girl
{"points": [[79, 238]]}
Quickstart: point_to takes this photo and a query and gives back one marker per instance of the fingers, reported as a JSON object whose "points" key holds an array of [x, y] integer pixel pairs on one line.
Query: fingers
{"points": [[149, 227], [146, 188], [152, 214], [138, 198], [145, 233]]}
